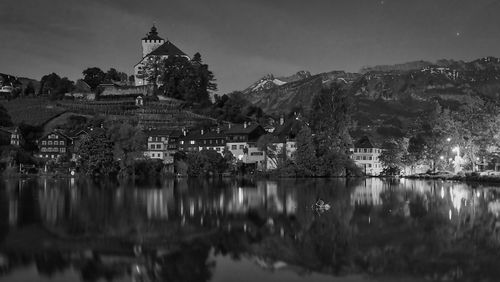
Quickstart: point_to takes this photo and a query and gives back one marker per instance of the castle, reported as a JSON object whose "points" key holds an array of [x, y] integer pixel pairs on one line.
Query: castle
{"points": [[154, 46]]}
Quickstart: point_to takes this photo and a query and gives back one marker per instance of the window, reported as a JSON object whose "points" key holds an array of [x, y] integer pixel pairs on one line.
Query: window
{"points": [[242, 146], [191, 142], [233, 147], [364, 158], [56, 136], [43, 149], [152, 146], [209, 141], [44, 142], [205, 142], [150, 138], [158, 146], [217, 149], [50, 142], [256, 154], [56, 142], [63, 150], [61, 142], [369, 158], [182, 142], [369, 165]]}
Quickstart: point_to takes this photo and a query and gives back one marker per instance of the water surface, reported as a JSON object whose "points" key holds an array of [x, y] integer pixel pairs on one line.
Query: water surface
{"points": [[206, 230]]}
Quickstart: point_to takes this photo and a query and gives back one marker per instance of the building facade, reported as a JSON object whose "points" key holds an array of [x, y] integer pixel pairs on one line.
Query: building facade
{"points": [[162, 145], [54, 145], [366, 156], [242, 143]]}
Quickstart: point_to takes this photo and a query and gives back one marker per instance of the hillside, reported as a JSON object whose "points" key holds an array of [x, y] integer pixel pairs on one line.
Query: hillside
{"points": [[388, 97], [11, 80]]}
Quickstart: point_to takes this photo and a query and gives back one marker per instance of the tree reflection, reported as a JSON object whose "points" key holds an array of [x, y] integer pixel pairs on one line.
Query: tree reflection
{"points": [[433, 229]]}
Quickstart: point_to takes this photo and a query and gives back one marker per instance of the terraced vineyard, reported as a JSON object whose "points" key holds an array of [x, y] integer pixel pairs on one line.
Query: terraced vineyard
{"points": [[33, 111]]}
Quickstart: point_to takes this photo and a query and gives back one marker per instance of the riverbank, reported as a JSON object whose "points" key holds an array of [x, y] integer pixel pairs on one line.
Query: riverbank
{"points": [[469, 177]]}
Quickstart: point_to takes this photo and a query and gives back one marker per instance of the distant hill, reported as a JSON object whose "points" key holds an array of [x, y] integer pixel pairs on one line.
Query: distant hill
{"points": [[388, 98]]}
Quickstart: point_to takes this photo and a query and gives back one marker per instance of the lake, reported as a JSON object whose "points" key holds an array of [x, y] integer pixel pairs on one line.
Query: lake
{"points": [[235, 230]]}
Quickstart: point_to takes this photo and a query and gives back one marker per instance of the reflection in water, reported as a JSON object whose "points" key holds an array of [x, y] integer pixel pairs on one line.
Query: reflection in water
{"points": [[181, 230]]}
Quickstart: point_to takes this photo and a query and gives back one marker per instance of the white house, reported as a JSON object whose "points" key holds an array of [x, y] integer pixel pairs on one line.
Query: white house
{"points": [[366, 156]]}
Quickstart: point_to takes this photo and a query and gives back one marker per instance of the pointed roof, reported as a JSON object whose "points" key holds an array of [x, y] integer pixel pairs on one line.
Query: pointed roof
{"points": [[167, 49], [152, 34], [364, 143]]}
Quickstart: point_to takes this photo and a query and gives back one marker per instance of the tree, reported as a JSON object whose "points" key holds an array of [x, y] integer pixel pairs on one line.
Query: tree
{"points": [[30, 89], [93, 77], [268, 144], [5, 119], [96, 154], [181, 78], [129, 143], [331, 120], [54, 86], [477, 131], [305, 156], [395, 154]]}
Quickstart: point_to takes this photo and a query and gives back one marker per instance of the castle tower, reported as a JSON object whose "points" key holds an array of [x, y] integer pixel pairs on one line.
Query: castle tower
{"points": [[151, 42]]}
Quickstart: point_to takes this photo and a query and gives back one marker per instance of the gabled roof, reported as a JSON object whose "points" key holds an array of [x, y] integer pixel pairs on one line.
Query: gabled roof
{"points": [[364, 143], [161, 132], [241, 129], [56, 131], [167, 49]]}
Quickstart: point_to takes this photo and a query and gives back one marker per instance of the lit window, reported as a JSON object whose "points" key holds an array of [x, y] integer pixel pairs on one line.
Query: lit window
{"points": [[191, 142], [44, 142], [182, 142]]}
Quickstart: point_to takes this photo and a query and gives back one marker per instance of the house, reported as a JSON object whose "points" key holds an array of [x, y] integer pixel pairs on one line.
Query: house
{"points": [[54, 145], [11, 135], [366, 156], [242, 143], [162, 144], [212, 140], [285, 133], [188, 141], [15, 137], [153, 46]]}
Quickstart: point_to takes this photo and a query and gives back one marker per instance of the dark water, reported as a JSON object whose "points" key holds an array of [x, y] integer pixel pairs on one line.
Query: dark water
{"points": [[195, 230]]}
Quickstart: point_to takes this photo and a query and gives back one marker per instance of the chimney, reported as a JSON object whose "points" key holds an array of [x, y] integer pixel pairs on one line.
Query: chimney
{"points": [[282, 120], [245, 124]]}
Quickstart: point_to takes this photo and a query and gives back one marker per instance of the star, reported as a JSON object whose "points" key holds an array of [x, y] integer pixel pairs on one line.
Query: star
{"points": [[382, 2], [458, 34]]}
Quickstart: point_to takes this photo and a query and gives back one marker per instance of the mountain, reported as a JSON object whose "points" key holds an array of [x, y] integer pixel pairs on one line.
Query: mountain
{"points": [[387, 96]]}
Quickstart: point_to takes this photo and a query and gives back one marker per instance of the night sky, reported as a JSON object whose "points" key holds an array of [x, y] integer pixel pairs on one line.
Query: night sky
{"points": [[244, 40]]}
